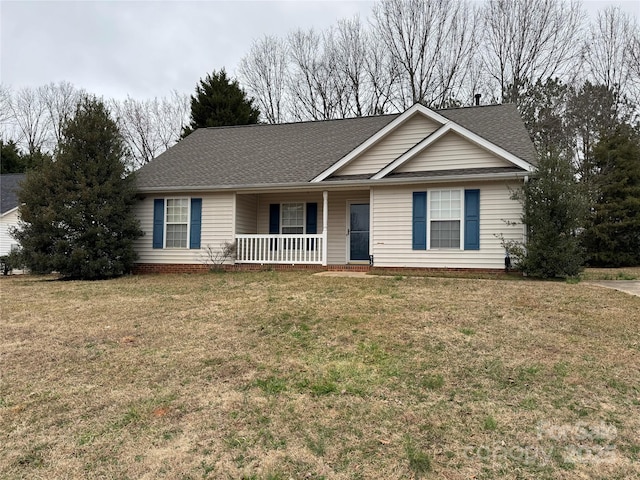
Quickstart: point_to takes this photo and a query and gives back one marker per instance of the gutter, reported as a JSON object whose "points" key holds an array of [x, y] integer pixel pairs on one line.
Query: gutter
{"points": [[337, 184]]}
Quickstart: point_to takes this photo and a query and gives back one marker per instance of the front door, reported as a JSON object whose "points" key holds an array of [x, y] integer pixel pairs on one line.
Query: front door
{"points": [[358, 233]]}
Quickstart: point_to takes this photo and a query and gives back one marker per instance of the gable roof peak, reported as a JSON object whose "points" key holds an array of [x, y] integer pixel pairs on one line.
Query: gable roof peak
{"points": [[311, 151]]}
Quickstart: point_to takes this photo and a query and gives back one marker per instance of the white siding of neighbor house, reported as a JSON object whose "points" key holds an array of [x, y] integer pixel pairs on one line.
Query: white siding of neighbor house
{"points": [[391, 243], [217, 228], [7, 221], [452, 152], [391, 146]]}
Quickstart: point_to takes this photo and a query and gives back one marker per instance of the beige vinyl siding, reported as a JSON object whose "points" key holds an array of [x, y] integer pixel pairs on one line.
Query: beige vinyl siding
{"points": [[217, 228], [7, 221], [391, 244], [391, 146], [246, 214], [452, 152]]}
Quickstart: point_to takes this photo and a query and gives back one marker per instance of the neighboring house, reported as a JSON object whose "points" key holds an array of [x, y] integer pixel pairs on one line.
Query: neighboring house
{"points": [[421, 189], [9, 184]]}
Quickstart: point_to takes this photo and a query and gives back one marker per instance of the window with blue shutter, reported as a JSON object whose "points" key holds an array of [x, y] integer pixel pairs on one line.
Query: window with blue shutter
{"points": [[170, 217], [419, 220], [196, 223], [472, 219], [158, 223]]}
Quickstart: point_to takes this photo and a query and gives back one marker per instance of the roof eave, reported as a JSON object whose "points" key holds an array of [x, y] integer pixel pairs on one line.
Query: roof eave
{"points": [[332, 185], [11, 210]]}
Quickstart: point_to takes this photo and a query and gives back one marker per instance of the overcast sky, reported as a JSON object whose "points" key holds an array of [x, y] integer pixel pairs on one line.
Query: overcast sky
{"points": [[148, 48]]}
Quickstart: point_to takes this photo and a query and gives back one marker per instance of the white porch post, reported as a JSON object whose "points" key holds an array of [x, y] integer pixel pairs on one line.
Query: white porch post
{"points": [[325, 220]]}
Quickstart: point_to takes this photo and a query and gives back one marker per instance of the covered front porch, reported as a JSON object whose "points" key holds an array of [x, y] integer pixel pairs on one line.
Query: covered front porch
{"points": [[302, 228]]}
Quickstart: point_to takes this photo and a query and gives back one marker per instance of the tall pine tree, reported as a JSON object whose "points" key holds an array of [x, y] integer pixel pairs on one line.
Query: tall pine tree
{"points": [[612, 236], [219, 101], [77, 212]]}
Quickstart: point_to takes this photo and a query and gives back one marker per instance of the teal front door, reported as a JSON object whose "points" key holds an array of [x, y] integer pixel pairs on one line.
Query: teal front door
{"points": [[358, 232]]}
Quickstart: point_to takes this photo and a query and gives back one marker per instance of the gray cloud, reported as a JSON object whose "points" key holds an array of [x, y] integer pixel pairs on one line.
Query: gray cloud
{"points": [[147, 48], [143, 48]]}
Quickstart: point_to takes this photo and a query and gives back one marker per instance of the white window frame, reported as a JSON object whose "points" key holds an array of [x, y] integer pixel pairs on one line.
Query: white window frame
{"points": [[449, 219], [166, 222], [304, 218]]}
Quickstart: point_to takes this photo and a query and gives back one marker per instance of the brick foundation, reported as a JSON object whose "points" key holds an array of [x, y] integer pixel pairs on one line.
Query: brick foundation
{"points": [[145, 268], [427, 270]]}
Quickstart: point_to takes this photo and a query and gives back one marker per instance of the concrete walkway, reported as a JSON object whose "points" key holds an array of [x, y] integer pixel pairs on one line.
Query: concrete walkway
{"points": [[628, 286]]}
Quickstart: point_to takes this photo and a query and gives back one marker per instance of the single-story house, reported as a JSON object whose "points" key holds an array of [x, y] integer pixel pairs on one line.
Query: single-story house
{"points": [[421, 189], [9, 184]]}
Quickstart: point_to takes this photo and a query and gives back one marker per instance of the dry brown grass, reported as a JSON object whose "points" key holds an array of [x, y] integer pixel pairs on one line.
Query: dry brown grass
{"points": [[628, 273], [288, 375]]}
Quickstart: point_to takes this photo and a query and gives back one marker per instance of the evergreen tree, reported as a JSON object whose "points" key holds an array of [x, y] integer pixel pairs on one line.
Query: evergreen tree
{"points": [[77, 212], [11, 160], [553, 211], [612, 236], [593, 112], [543, 109], [219, 101]]}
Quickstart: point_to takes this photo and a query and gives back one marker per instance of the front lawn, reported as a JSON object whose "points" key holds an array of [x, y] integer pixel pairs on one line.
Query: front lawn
{"points": [[289, 375]]}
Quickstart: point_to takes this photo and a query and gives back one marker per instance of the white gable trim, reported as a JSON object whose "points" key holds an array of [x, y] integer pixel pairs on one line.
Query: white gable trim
{"points": [[9, 211], [416, 109], [450, 126]]}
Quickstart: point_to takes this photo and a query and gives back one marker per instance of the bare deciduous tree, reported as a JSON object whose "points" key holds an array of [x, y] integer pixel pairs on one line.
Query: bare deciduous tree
{"points": [[31, 119], [149, 127], [171, 116], [528, 40], [432, 42], [60, 102], [382, 75], [5, 105], [263, 71], [315, 84], [609, 49]]}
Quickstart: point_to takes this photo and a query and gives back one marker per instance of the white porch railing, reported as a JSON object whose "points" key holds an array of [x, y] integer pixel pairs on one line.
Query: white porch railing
{"points": [[301, 249]]}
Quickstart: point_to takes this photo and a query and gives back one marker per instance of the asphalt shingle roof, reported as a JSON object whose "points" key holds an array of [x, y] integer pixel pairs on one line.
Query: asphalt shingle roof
{"points": [[9, 185], [500, 124], [256, 155]]}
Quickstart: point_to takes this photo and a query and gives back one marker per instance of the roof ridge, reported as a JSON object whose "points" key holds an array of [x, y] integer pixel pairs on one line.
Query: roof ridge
{"points": [[469, 107], [328, 120]]}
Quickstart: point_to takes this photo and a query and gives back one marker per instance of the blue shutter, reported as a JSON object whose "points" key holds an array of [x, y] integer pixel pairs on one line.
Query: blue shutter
{"points": [[196, 223], [274, 218], [312, 224], [312, 218], [158, 222], [419, 220], [274, 224], [472, 219]]}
